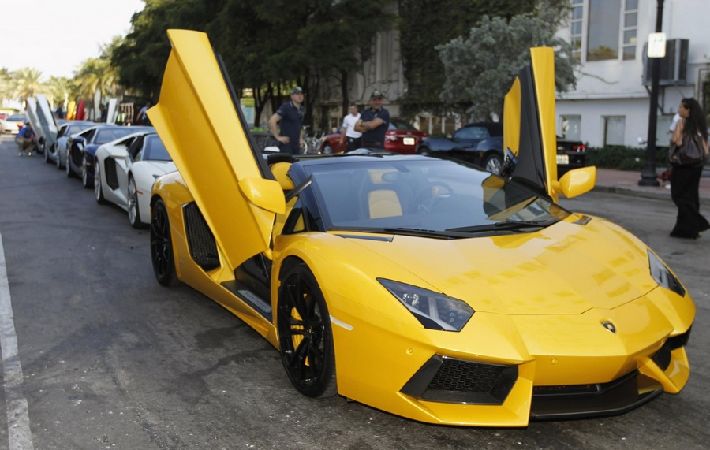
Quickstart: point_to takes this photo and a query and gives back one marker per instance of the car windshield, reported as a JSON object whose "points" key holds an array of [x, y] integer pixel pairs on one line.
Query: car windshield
{"points": [[154, 150], [424, 195], [110, 134]]}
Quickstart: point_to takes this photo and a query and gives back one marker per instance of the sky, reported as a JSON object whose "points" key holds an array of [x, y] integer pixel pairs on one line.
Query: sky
{"points": [[55, 36]]}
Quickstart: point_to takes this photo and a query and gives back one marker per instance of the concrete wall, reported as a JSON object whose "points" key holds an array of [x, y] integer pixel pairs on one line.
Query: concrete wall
{"points": [[615, 88]]}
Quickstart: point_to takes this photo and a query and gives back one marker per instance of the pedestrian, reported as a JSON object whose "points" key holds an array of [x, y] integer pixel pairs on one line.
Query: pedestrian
{"points": [[374, 122], [142, 118], [286, 123], [347, 129], [688, 154], [25, 140]]}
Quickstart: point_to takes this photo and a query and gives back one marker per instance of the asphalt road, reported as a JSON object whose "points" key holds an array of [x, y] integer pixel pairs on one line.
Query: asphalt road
{"points": [[112, 360]]}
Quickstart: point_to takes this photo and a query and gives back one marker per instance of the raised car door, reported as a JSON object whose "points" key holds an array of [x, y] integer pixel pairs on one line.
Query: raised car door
{"points": [[206, 136], [529, 122], [46, 119]]}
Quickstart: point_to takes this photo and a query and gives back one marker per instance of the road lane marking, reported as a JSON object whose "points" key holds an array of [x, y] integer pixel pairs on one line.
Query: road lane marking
{"points": [[18, 421]]}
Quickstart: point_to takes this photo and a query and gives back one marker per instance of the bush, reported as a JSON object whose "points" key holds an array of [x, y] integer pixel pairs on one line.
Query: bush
{"points": [[623, 158]]}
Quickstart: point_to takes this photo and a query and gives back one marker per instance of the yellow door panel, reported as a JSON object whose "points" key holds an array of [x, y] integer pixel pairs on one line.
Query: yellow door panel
{"points": [[529, 121], [207, 139]]}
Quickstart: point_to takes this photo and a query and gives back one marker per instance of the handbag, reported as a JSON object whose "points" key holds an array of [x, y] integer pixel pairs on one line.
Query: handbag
{"points": [[690, 153]]}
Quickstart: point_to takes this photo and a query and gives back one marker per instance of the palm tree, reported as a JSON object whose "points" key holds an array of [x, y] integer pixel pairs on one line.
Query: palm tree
{"points": [[4, 83], [59, 88], [25, 83]]}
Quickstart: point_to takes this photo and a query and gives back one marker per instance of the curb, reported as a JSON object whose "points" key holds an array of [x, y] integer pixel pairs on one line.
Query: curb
{"points": [[642, 194]]}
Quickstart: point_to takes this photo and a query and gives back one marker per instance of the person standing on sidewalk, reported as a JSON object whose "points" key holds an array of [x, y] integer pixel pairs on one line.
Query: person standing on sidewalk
{"points": [[289, 118], [685, 178], [347, 130], [374, 122]]}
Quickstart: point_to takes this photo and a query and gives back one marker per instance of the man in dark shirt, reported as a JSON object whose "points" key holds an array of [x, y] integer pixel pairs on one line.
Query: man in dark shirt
{"points": [[374, 122], [289, 117]]}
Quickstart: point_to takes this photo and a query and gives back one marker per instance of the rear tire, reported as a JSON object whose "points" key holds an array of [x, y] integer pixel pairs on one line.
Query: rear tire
{"points": [[46, 156], [305, 333], [493, 164], [67, 167], [161, 246], [423, 150], [85, 181]]}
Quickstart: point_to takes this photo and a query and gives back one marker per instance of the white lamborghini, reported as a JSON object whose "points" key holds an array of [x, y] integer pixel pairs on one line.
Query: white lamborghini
{"points": [[125, 170]]}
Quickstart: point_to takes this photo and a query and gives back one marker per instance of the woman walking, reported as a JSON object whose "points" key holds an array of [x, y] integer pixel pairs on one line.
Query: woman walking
{"points": [[690, 149]]}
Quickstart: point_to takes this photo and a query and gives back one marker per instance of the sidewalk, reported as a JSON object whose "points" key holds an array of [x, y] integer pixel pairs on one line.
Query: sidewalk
{"points": [[626, 182]]}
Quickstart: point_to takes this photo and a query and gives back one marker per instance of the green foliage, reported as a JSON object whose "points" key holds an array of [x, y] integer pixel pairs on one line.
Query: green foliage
{"points": [[623, 158], [481, 67], [425, 24]]}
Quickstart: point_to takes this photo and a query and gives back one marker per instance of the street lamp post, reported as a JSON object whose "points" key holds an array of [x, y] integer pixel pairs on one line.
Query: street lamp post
{"points": [[648, 174]]}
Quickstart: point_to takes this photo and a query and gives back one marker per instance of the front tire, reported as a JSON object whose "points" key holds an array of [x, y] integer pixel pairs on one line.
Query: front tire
{"points": [[161, 246], [98, 186], [305, 333], [67, 167], [85, 181], [134, 214], [46, 156]]}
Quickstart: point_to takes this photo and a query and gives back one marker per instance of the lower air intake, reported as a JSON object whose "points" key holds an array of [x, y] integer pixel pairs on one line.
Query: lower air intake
{"points": [[449, 380]]}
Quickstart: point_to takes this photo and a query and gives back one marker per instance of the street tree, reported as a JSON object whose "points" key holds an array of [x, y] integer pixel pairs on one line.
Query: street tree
{"points": [[25, 83], [480, 67], [425, 24]]}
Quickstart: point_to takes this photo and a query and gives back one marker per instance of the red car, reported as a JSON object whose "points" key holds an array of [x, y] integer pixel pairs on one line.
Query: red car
{"points": [[399, 138]]}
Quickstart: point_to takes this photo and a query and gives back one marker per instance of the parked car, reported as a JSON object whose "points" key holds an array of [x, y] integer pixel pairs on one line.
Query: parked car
{"points": [[13, 123], [399, 138], [58, 152], [420, 286], [124, 172], [82, 147], [481, 143], [42, 120]]}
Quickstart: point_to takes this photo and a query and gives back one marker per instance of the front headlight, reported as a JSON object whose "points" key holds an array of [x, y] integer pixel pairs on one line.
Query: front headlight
{"points": [[434, 310], [663, 276]]}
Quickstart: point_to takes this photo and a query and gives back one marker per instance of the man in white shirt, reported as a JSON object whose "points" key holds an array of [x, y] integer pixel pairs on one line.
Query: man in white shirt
{"points": [[347, 130]]}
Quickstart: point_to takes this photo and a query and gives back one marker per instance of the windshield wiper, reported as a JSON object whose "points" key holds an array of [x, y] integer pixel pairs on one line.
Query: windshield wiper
{"points": [[507, 225], [422, 232]]}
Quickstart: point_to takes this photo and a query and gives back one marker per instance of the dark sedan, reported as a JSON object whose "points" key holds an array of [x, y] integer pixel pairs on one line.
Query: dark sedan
{"points": [[82, 148], [480, 143]]}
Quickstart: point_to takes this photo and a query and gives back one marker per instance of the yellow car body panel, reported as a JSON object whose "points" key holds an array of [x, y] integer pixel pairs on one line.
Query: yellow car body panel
{"points": [[213, 154], [572, 304]]}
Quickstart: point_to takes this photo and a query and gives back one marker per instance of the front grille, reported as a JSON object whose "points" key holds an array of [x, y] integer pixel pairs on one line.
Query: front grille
{"points": [[464, 376], [200, 239], [451, 380]]}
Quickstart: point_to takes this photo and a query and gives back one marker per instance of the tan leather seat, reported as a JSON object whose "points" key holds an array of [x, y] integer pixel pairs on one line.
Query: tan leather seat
{"points": [[383, 203]]}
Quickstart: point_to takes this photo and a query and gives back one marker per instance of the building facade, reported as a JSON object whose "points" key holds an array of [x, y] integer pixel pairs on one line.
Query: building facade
{"points": [[610, 104]]}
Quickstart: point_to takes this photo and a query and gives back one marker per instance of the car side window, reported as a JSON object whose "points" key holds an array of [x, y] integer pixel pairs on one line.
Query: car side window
{"points": [[88, 136], [471, 133], [134, 150]]}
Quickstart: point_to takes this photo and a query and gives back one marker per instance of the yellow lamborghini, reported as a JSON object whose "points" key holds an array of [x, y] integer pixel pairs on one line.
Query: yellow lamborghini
{"points": [[419, 286]]}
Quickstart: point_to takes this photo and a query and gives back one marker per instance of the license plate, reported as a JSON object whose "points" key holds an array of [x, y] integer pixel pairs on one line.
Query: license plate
{"points": [[408, 141], [563, 159]]}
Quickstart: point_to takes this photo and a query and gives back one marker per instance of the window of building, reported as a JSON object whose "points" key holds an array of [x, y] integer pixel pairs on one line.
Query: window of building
{"points": [[628, 41], [384, 57], [575, 29], [603, 30], [614, 130], [570, 127]]}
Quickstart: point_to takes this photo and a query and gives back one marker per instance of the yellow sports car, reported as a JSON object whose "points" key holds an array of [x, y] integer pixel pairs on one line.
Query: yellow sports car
{"points": [[419, 286]]}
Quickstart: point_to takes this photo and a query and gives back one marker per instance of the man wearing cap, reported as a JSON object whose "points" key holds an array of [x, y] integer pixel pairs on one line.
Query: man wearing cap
{"points": [[374, 122], [289, 117]]}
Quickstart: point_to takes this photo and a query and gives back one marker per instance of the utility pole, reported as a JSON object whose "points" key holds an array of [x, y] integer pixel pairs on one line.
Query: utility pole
{"points": [[648, 174]]}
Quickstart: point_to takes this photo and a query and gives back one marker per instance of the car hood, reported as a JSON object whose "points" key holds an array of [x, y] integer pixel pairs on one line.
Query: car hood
{"points": [[567, 268], [159, 167]]}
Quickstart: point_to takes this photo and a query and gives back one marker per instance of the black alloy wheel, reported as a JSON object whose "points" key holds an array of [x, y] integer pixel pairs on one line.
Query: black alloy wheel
{"points": [[161, 246], [305, 334], [134, 215], [493, 164]]}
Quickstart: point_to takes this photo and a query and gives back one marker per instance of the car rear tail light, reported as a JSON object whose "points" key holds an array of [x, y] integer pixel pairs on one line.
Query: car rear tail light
{"points": [[580, 148]]}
